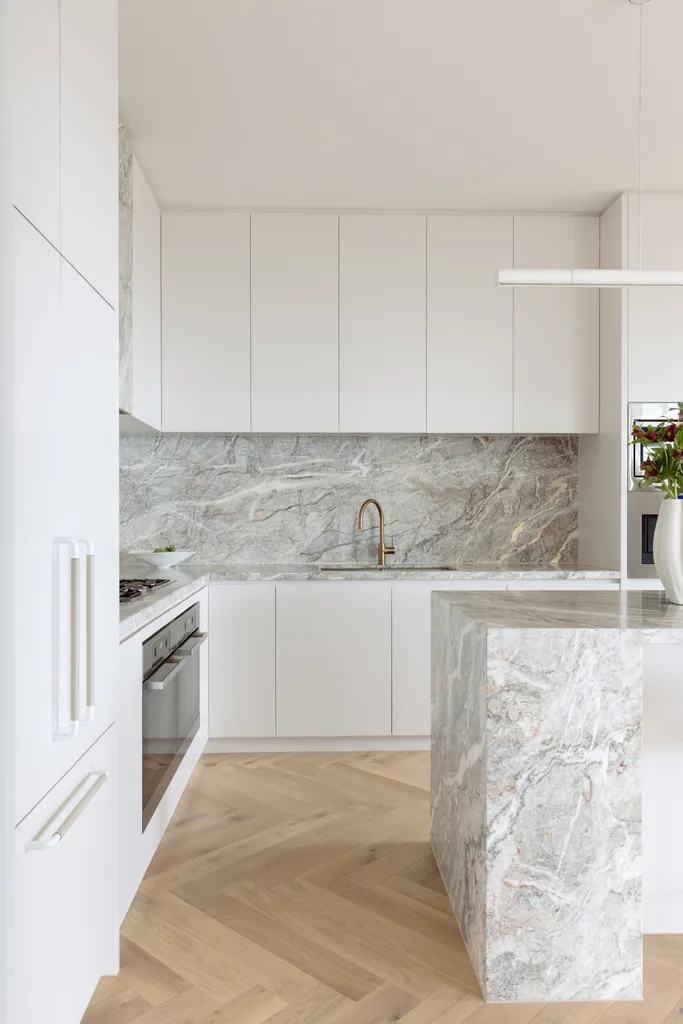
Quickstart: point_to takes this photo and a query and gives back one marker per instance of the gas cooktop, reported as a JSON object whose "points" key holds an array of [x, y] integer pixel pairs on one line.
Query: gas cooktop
{"points": [[131, 590]]}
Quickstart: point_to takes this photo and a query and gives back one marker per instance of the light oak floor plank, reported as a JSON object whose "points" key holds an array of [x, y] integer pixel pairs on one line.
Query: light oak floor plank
{"points": [[301, 889]]}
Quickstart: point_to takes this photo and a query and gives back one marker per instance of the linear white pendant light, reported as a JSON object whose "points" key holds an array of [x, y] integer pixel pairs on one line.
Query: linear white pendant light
{"points": [[593, 278]]}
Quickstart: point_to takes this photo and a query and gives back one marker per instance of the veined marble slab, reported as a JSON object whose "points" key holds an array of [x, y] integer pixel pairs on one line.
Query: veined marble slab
{"points": [[286, 499], [188, 578], [536, 785]]}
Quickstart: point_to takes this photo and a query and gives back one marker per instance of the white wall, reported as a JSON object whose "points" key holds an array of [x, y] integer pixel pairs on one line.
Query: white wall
{"points": [[602, 493]]}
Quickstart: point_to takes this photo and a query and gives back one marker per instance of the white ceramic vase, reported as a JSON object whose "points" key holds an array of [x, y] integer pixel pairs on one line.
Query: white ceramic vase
{"points": [[668, 548]]}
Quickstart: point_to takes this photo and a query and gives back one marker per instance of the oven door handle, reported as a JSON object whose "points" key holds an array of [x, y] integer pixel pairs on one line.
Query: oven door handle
{"points": [[167, 671], [191, 645]]}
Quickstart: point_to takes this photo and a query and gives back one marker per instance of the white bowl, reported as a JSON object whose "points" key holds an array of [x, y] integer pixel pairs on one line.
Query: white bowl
{"points": [[162, 559]]}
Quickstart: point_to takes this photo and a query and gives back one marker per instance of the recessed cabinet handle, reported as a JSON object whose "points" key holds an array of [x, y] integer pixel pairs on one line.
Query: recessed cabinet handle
{"points": [[55, 836]]}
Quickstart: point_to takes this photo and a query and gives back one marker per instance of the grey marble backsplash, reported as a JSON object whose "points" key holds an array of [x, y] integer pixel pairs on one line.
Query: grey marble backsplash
{"points": [[262, 499]]}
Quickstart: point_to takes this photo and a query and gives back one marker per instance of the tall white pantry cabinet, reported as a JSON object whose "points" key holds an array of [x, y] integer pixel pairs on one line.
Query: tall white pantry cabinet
{"points": [[60, 490]]}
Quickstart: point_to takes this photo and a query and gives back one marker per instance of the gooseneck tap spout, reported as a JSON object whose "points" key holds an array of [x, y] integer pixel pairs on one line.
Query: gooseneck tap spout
{"points": [[382, 549]]}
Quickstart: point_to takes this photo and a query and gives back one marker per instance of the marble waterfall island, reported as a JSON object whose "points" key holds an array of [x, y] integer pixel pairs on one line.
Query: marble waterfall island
{"points": [[536, 784]]}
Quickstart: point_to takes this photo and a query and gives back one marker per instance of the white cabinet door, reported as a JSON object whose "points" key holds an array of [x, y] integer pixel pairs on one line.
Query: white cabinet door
{"points": [[36, 490], [34, 105], [333, 659], [205, 322], [88, 489], [242, 660], [411, 610], [469, 325], [66, 930], [382, 323], [557, 330], [129, 730], [89, 141], [563, 585], [295, 322], [655, 315], [146, 286]]}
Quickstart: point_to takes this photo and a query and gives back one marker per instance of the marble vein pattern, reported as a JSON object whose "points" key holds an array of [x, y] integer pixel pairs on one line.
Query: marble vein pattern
{"points": [[289, 499], [541, 726], [125, 272], [137, 614]]}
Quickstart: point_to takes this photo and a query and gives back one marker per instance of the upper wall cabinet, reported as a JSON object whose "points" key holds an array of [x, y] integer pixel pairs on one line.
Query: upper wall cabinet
{"points": [[34, 77], [469, 325], [206, 324], [556, 330], [655, 315], [294, 322], [382, 325], [145, 300], [89, 141]]}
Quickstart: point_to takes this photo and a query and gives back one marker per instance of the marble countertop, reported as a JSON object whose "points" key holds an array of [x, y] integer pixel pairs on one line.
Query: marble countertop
{"points": [[586, 609], [189, 579]]}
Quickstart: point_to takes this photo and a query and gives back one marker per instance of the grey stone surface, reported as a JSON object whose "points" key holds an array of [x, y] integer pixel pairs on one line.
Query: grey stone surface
{"points": [[125, 273], [289, 499], [536, 785]]}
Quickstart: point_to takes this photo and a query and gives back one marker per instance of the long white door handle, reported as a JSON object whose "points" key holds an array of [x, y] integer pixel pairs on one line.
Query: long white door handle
{"points": [[89, 628], [55, 836], [74, 638]]}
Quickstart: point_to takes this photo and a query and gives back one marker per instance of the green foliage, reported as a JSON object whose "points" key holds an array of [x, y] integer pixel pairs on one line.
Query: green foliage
{"points": [[158, 551], [663, 446]]}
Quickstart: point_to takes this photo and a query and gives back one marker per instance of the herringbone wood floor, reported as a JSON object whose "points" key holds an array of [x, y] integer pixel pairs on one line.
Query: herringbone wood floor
{"points": [[300, 889]]}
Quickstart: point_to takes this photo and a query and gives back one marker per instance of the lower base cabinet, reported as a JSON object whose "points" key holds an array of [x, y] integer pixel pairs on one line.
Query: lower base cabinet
{"points": [[66, 926], [333, 659], [242, 660]]}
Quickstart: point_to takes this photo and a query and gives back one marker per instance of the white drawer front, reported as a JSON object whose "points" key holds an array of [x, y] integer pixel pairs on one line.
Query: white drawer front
{"points": [[66, 929]]}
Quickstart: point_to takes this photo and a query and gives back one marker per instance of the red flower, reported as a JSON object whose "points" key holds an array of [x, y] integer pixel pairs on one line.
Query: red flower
{"points": [[670, 433], [652, 436]]}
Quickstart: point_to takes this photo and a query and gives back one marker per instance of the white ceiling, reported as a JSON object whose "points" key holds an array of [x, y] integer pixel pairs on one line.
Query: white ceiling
{"points": [[400, 104]]}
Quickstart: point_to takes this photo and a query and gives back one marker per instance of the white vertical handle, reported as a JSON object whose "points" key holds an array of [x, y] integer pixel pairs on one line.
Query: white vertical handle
{"points": [[89, 628], [74, 639]]}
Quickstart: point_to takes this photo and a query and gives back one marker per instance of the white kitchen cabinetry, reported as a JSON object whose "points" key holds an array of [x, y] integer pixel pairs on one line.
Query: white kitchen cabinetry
{"points": [[294, 322], [382, 325], [129, 730], [469, 325], [655, 315], [556, 330], [65, 933], [206, 322], [411, 611], [38, 517], [89, 141], [242, 660], [146, 302], [563, 585], [88, 429], [34, 56], [333, 659], [64, 376]]}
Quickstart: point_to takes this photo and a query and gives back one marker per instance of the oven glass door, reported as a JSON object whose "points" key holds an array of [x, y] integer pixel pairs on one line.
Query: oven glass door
{"points": [[161, 739]]}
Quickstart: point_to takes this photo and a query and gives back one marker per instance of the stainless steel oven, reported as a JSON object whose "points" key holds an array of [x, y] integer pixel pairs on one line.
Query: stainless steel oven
{"points": [[643, 502], [170, 703]]}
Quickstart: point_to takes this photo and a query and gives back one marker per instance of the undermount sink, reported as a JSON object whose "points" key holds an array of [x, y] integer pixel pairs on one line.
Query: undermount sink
{"points": [[385, 568]]}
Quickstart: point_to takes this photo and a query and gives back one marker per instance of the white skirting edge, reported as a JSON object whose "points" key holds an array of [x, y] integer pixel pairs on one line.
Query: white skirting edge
{"points": [[663, 913], [159, 821], [307, 744]]}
